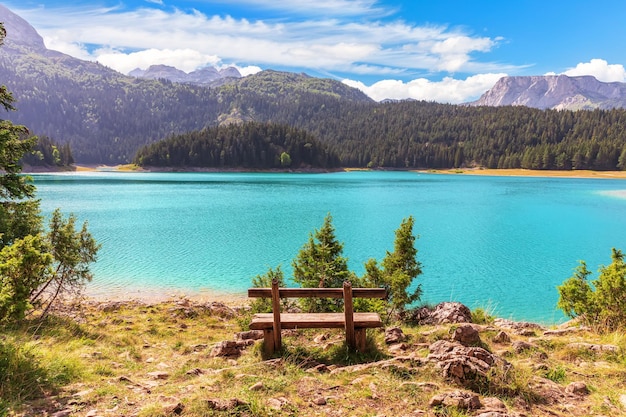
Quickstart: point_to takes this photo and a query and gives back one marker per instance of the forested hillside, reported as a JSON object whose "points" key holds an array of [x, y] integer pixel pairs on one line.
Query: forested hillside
{"points": [[107, 117], [431, 135], [250, 145]]}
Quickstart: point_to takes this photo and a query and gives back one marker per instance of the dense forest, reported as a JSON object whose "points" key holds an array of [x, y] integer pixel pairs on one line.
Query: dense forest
{"points": [[431, 135], [46, 152], [107, 117], [249, 145]]}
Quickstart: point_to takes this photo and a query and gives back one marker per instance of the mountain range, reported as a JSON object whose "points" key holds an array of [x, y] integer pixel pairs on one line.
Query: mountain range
{"points": [[558, 92], [106, 116], [207, 76]]}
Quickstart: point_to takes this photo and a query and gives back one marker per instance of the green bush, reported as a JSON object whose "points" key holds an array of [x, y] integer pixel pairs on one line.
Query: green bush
{"points": [[600, 303]]}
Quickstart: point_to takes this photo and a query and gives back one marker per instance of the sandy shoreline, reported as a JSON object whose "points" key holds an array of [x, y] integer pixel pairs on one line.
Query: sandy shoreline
{"points": [[158, 295], [536, 173], [465, 171]]}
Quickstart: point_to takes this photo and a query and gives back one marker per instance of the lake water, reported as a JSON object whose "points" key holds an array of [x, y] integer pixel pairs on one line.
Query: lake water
{"points": [[500, 243]]}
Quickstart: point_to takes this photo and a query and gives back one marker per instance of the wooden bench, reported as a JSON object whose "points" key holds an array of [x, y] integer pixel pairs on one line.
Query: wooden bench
{"points": [[353, 323]]}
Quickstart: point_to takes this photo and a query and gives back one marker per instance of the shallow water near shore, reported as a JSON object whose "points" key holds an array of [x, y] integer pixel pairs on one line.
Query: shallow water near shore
{"points": [[500, 243]]}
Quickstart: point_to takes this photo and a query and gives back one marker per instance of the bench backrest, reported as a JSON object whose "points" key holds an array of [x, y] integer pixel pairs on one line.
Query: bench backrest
{"points": [[347, 293], [317, 293]]}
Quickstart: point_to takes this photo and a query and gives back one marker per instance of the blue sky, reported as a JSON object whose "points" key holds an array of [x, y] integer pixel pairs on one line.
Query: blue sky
{"points": [[440, 50]]}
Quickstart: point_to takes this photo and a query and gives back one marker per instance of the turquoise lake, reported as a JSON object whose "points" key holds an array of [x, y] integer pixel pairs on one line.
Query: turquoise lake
{"points": [[500, 243]]}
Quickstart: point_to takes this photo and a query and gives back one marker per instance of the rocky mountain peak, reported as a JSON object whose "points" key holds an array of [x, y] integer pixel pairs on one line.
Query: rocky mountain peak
{"points": [[20, 32], [555, 92]]}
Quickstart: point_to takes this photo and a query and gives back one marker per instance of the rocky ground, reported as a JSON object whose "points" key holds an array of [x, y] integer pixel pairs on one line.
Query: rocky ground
{"points": [[194, 359]]}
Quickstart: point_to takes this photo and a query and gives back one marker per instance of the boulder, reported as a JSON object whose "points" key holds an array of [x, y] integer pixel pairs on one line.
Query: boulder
{"points": [[443, 313], [394, 335], [461, 400], [463, 365], [220, 310], [577, 388], [502, 337], [230, 348], [520, 346], [467, 335]]}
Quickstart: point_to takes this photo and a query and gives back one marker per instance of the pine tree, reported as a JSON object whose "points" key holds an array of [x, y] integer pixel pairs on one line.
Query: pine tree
{"points": [[399, 269], [320, 263]]}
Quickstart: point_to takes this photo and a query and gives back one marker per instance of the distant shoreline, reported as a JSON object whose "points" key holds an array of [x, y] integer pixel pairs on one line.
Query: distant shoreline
{"points": [[464, 171], [533, 173]]}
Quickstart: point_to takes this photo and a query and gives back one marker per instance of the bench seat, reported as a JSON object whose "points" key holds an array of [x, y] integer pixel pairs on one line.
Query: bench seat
{"points": [[355, 324], [263, 321]]}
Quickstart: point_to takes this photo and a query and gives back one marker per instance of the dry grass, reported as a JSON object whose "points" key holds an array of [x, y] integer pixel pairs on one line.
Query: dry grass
{"points": [[99, 363]]}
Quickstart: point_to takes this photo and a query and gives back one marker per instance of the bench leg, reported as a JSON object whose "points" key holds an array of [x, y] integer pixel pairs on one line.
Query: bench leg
{"points": [[268, 342], [361, 342]]}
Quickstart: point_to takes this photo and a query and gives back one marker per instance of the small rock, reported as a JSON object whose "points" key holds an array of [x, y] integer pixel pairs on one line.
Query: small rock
{"points": [[221, 310], [173, 408], [458, 399], [502, 337], [62, 413], [467, 335], [398, 348], [493, 403], [226, 348], [92, 413], [577, 388], [521, 346], [394, 335], [257, 387], [199, 347], [622, 400], [321, 338], [277, 403], [319, 401], [374, 390], [225, 405], [159, 375], [321, 368], [249, 335], [150, 360]]}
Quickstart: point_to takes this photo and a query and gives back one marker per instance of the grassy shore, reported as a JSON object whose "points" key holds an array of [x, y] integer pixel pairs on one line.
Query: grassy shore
{"points": [[155, 359]]}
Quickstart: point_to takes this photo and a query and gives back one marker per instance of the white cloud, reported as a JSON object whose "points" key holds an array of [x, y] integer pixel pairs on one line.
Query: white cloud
{"points": [[448, 90], [333, 43], [70, 48], [312, 7], [600, 69], [249, 70]]}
